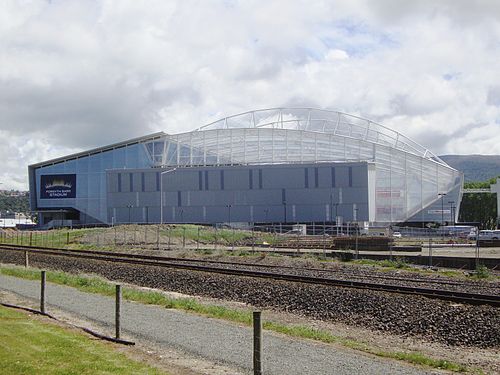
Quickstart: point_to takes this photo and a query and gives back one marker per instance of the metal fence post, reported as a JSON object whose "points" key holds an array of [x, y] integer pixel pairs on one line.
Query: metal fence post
{"points": [[198, 240], [324, 240], [67, 238], [118, 302], [115, 236], [42, 292], [158, 237], [215, 239], [257, 343], [298, 242], [253, 239], [232, 241], [183, 237], [430, 252]]}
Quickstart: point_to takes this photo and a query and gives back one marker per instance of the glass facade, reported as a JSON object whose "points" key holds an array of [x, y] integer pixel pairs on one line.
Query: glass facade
{"points": [[90, 173], [408, 176]]}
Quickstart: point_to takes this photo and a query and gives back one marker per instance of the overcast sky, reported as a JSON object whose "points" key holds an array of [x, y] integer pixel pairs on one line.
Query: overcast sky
{"points": [[82, 74]]}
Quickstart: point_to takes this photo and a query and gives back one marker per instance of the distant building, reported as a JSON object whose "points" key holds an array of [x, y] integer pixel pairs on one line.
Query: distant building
{"points": [[17, 221], [273, 165]]}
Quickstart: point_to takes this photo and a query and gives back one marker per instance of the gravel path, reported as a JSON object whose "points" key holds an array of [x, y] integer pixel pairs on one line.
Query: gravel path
{"points": [[212, 339], [450, 323]]}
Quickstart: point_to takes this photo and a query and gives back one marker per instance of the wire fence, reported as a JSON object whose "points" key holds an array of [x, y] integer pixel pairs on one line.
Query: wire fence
{"points": [[293, 237]]}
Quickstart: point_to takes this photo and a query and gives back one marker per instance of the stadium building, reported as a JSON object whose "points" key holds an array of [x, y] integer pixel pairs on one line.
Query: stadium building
{"points": [[273, 165]]}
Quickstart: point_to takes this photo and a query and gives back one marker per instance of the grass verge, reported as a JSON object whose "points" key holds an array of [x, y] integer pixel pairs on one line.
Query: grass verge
{"points": [[93, 284], [29, 346]]}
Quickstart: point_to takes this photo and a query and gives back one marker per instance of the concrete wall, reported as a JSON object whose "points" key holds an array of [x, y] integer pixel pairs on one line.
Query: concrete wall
{"points": [[265, 193]]}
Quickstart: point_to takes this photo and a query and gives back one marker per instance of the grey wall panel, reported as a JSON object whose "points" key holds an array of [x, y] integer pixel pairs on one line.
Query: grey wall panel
{"points": [[112, 183], [149, 199], [188, 180], [355, 195], [324, 177], [150, 181], [274, 178], [250, 199], [214, 180], [170, 198], [122, 199], [137, 181], [236, 180], [359, 177], [341, 176]]}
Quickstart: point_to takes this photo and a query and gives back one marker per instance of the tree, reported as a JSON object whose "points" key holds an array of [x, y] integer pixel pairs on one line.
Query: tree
{"points": [[479, 207]]}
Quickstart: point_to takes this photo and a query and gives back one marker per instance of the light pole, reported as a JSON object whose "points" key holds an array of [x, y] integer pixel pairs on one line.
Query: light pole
{"points": [[442, 195], [452, 211], [161, 192]]}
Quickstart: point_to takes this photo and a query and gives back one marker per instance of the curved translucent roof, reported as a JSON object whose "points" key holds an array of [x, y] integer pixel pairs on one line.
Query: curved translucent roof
{"points": [[322, 121]]}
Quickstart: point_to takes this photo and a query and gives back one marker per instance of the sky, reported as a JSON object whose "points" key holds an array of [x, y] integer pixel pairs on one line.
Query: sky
{"points": [[81, 74]]}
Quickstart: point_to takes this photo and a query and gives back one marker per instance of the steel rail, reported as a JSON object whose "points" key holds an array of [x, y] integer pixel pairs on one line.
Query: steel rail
{"points": [[460, 297], [232, 263]]}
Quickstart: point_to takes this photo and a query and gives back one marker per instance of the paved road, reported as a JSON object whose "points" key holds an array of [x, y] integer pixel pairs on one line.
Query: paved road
{"points": [[212, 339]]}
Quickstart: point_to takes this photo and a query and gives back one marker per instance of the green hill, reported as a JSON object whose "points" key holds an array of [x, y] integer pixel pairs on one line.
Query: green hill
{"points": [[475, 167], [14, 201]]}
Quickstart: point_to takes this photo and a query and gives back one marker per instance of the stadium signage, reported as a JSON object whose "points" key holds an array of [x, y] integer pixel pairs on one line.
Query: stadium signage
{"points": [[58, 186]]}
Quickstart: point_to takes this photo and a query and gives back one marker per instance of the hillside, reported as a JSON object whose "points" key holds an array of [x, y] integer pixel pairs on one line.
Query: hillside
{"points": [[475, 167], [14, 201]]}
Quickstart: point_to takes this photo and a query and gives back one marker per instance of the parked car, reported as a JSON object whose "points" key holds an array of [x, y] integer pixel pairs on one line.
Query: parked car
{"points": [[485, 235], [396, 235]]}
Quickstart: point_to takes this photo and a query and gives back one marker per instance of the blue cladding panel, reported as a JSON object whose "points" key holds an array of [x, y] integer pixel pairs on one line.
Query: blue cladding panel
{"points": [[92, 184]]}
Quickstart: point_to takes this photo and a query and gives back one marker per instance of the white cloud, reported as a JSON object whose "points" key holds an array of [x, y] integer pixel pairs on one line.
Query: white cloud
{"points": [[75, 75]]}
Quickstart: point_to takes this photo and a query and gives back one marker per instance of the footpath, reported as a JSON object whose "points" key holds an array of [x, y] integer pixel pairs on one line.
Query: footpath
{"points": [[217, 341]]}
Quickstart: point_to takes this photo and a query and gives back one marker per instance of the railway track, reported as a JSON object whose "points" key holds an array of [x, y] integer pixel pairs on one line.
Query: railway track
{"points": [[228, 268]]}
